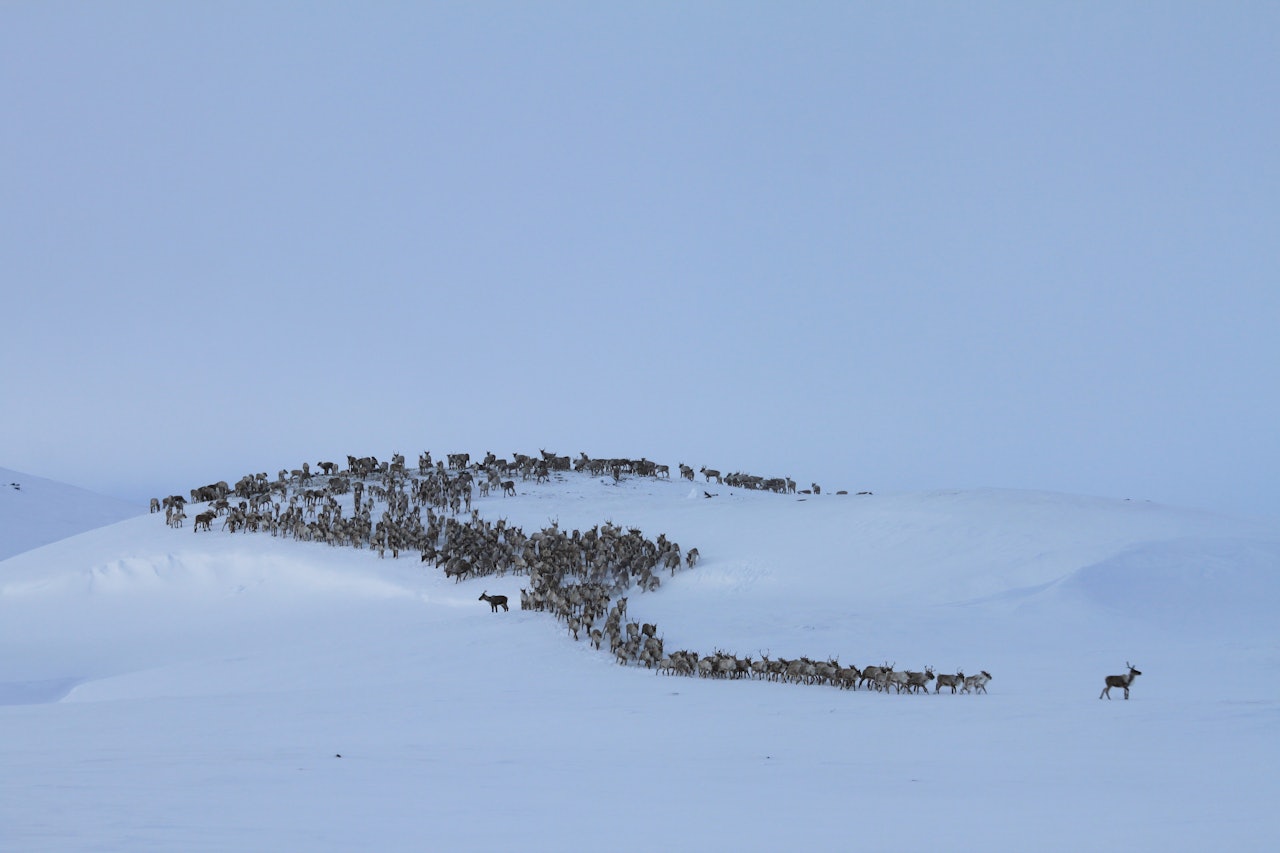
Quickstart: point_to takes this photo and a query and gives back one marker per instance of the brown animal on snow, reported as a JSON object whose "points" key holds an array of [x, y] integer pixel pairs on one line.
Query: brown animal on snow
{"points": [[495, 601], [1122, 681]]}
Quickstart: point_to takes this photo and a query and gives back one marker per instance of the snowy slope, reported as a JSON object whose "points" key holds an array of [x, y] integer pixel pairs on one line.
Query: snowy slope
{"points": [[35, 511], [162, 689]]}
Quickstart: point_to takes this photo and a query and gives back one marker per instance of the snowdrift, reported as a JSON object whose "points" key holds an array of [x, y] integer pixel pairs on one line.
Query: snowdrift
{"points": [[35, 511], [1208, 586]]}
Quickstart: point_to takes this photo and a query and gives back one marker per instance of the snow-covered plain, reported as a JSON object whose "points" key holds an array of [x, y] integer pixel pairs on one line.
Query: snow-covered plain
{"points": [[167, 690]]}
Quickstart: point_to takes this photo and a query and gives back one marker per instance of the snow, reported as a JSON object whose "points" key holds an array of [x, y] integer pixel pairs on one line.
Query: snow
{"points": [[166, 690], [35, 511]]}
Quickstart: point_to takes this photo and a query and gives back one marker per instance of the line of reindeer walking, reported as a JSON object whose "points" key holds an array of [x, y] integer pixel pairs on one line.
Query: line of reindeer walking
{"points": [[579, 577]]}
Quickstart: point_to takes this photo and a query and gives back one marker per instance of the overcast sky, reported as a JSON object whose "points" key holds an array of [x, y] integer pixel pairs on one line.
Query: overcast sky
{"points": [[873, 245]]}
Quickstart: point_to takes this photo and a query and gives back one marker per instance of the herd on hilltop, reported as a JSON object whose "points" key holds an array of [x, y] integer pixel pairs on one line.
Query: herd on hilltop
{"points": [[582, 578]]}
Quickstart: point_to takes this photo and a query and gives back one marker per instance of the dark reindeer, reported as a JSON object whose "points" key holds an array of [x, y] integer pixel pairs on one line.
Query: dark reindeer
{"points": [[456, 569], [495, 601], [1120, 681]]}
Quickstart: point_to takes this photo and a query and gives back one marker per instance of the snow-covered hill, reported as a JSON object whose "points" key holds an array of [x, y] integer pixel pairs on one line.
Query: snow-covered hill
{"points": [[164, 689], [35, 511]]}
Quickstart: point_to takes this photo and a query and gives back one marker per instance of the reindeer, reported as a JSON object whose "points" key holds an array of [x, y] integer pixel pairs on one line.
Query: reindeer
{"points": [[952, 681], [873, 676], [847, 678], [508, 488], [692, 559], [919, 680], [898, 680], [711, 474], [1122, 681], [976, 683], [495, 601]]}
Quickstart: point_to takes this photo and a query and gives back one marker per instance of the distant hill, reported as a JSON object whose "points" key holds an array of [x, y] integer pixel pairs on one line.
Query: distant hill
{"points": [[35, 511]]}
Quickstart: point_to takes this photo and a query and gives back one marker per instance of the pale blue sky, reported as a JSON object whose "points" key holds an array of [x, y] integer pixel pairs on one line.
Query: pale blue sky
{"points": [[880, 246]]}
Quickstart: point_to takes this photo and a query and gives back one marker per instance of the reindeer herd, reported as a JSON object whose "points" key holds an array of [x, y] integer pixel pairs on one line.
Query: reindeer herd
{"points": [[580, 577]]}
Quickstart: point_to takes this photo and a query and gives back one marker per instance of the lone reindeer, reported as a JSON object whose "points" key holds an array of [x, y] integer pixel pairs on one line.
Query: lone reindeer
{"points": [[1120, 681], [496, 601]]}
